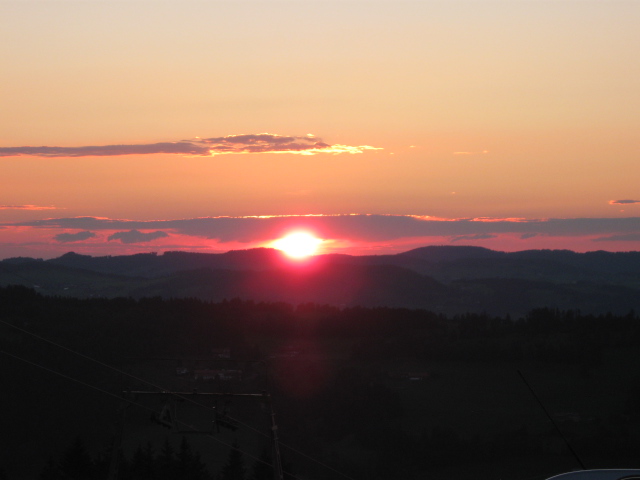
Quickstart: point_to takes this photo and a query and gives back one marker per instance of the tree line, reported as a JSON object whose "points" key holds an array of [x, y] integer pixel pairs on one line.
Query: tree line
{"points": [[155, 326], [354, 403], [76, 463]]}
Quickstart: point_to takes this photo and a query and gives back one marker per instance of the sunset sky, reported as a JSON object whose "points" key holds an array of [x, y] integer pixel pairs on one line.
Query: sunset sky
{"points": [[378, 126]]}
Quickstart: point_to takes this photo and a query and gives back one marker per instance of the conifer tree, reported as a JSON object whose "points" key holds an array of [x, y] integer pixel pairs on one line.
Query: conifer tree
{"points": [[234, 468], [166, 462], [189, 465], [143, 463], [76, 462], [51, 471], [262, 469]]}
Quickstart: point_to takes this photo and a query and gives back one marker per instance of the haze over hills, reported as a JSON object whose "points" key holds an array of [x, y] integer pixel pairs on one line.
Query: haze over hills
{"points": [[440, 278]]}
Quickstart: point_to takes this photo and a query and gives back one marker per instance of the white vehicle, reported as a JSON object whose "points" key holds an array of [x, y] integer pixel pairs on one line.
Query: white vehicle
{"points": [[613, 474]]}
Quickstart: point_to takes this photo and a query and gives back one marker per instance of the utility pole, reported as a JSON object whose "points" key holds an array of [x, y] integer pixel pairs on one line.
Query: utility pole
{"points": [[168, 418], [277, 471], [116, 453]]}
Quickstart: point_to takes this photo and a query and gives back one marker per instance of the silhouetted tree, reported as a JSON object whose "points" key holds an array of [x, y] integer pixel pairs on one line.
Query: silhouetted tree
{"points": [[166, 462], [189, 466], [234, 469], [632, 404], [76, 462], [262, 469], [51, 471], [143, 463], [288, 470]]}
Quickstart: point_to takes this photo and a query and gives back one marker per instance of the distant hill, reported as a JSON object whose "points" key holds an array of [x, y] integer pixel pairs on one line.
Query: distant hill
{"points": [[440, 278], [451, 253], [153, 265]]}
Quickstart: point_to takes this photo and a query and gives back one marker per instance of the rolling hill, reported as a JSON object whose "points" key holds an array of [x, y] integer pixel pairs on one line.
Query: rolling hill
{"points": [[443, 279]]}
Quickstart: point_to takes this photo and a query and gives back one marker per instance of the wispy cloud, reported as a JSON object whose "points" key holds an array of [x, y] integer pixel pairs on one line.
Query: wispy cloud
{"points": [[622, 202], [627, 237], [477, 236], [231, 144], [135, 236], [74, 237], [27, 207]]}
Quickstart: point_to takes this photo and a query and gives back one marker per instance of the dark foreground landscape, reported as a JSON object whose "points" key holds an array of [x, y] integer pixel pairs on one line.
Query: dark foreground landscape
{"points": [[438, 363]]}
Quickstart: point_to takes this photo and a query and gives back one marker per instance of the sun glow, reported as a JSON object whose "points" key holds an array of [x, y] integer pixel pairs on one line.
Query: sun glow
{"points": [[298, 244]]}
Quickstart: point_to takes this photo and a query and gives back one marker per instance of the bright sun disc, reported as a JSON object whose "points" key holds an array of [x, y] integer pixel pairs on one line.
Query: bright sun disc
{"points": [[298, 245]]}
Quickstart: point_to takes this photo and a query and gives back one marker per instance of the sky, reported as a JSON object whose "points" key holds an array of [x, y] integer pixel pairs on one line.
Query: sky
{"points": [[376, 125]]}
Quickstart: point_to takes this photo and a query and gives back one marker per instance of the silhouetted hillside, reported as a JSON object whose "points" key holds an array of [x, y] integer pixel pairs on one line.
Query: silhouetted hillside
{"points": [[153, 265], [442, 278], [361, 389], [325, 284], [445, 253]]}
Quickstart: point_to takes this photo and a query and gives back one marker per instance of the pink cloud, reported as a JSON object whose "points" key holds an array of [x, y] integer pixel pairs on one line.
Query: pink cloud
{"points": [[27, 207]]}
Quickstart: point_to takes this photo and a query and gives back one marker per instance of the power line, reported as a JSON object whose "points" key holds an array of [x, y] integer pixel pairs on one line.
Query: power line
{"points": [[131, 402], [553, 422], [177, 395], [114, 369], [117, 370]]}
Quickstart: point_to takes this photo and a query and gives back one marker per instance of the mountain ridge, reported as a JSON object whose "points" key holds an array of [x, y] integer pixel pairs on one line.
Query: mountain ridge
{"points": [[447, 279]]}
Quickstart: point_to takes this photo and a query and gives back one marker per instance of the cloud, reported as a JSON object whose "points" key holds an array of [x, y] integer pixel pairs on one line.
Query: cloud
{"points": [[478, 236], [74, 237], [135, 236], [27, 207], [254, 143], [367, 234], [622, 202], [355, 227], [628, 237], [185, 148]]}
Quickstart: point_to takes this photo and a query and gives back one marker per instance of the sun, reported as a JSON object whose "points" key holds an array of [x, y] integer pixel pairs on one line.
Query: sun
{"points": [[298, 244]]}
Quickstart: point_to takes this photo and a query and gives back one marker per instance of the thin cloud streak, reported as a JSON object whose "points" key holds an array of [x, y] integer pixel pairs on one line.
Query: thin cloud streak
{"points": [[201, 147], [27, 207], [628, 237], [623, 202], [478, 236]]}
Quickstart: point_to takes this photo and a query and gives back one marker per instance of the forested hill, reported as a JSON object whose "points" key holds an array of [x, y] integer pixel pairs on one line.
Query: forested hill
{"points": [[363, 390], [440, 278]]}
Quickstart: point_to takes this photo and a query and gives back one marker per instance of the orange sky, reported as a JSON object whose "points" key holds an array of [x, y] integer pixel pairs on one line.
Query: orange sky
{"points": [[497, 109]]}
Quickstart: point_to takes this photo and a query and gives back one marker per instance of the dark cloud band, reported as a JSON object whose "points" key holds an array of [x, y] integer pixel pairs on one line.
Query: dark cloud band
{"points": [[372, 228]]}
